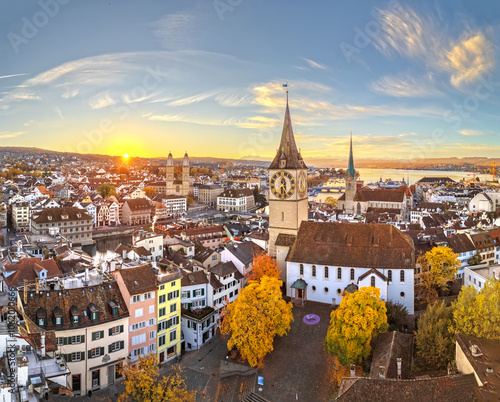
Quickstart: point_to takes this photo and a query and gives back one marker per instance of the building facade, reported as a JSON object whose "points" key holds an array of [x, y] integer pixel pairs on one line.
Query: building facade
{"points": [[169, 314], [329, 259], [138, 287], [72, 223]]}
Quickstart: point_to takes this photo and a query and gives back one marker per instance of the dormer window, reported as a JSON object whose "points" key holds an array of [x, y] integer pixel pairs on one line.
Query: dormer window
{"points": [[93, 312], [49, 217], [114, 308], [41, 317], [78, 215], [75, 315], [58, 316], [64, 217]]}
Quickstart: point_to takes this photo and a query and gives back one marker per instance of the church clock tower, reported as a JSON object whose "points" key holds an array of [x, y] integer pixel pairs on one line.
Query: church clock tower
{"points": [[288, 187]]}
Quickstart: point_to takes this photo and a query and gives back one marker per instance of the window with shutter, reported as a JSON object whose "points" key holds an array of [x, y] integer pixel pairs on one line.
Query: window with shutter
{"points": [[203, 292]]}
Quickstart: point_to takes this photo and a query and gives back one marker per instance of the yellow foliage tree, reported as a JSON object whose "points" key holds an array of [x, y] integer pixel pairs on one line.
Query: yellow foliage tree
{"points": [[255, 318], [439, 266], [143, 383], [263, 265], [149, 191], [478, 313], [360, 316], [330, 201]]}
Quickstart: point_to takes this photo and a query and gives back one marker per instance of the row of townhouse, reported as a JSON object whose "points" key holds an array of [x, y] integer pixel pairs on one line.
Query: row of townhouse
{"points": [[101, 321]]}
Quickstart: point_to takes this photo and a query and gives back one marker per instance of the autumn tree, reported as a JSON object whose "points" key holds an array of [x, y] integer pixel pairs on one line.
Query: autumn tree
{"points": [[396, 315], [263, 265], [477, 313], [143, 383], [255, 318], [149, 191], [439, 266], [475, 259], [106, 190], [434, 339], [360, 316], [331, 201]]}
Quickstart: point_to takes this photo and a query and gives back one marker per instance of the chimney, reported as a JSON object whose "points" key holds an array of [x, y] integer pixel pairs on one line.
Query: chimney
{"points": [[399, 361], [37, 285], [42, 346], [353, 371], [86, 275], [381, 372], [25, 295]]}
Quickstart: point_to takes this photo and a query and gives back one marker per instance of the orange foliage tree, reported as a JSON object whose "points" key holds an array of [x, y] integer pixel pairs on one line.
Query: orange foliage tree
{"points": [[143, 383], [255, 318], [263, 265]]}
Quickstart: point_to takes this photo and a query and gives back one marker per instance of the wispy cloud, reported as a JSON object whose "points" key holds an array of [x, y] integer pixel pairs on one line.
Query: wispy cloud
{"points": [[59, 113], [195, 98], [173, 30], [232, 100], [470, 58], [102, 99], [255, 122], [405, 85], [13, 75], [315, 64], [471, 133], [9, 134], [311, 107], [70, 93], [419, 37]]}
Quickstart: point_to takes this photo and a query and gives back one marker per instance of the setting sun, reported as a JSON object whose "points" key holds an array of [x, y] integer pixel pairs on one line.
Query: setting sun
{"points": [[125, 156]]}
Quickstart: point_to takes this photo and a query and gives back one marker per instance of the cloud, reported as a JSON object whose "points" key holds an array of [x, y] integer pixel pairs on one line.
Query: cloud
{"points": [[13, 75], [473, 133], [231, 100], [195, 98], [405, 86], [405, 32], [310, 107], [470, 58], [70, 93], [315, 64], [59, 113], [255, 122], [416, 36], [173, 30], [8, 134], [102, 99]]}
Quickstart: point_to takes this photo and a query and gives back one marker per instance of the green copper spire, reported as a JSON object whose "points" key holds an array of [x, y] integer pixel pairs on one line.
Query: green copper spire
{"points": [[350, 168]]}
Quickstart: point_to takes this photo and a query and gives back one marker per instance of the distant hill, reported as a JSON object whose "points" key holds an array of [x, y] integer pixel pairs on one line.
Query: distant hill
{"points": [[264, 161]]}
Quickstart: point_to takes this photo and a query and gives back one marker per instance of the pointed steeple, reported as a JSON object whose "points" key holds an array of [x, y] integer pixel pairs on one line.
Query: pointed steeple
{"points": [[287, 156], [350, 168]]}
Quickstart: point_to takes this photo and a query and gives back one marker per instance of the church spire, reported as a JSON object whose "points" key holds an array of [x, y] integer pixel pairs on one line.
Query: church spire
{"points": [[287, 156], [350, 168]]}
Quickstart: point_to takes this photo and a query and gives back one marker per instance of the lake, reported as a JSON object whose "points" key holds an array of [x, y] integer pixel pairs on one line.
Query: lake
{"points": [[373, 175]]}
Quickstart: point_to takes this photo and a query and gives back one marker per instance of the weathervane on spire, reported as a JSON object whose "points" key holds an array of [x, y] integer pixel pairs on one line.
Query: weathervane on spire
{"points": [[286, 86]]}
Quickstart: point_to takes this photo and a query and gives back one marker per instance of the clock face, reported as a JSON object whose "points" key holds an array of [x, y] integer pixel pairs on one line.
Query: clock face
{"points": [[302, 184], [282, 184]]}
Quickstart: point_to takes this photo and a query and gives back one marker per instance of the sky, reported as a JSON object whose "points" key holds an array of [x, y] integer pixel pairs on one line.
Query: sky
{"points": [[410, 79]]}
